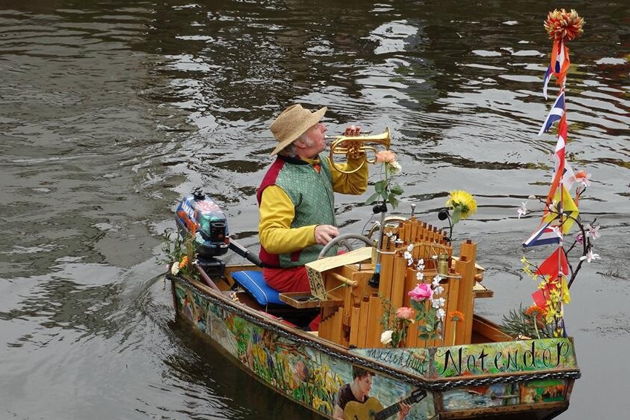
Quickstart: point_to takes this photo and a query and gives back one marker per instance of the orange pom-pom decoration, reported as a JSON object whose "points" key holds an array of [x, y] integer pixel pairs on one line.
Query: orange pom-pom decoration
{"points": [[184, 262], [564, 26]]}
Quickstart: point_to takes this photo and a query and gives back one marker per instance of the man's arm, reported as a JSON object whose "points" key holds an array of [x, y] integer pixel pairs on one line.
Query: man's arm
{"points": [[354, 183], [274, 226], [338, 413]]}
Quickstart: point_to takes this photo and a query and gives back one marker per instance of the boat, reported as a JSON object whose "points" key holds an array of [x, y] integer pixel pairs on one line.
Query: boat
{"points": [[466, 367]]}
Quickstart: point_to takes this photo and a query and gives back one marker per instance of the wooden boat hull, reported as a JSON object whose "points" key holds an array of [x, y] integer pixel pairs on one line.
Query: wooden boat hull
{"points": [[513, 380]]}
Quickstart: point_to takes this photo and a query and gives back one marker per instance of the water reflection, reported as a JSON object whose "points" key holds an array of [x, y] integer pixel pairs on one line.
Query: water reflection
{"points": [[111, 111], [237, 395]]}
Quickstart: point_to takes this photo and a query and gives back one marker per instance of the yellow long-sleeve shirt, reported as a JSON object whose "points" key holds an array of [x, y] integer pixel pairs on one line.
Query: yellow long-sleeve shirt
{"points": [[277, 212]]}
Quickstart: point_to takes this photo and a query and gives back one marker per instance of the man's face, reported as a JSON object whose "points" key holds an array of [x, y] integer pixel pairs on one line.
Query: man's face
{"points": [[317, 139], [365, 384]]}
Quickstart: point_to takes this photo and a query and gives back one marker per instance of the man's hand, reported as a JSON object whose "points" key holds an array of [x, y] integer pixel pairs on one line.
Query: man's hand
{"points": [[352, 131], [325, 233], [404, 410]]}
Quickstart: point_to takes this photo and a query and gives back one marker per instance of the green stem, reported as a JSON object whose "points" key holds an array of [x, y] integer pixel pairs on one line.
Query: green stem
{"points": [[536, 326]]}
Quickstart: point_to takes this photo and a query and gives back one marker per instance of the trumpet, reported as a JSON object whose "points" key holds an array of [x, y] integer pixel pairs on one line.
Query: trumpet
{"points": [[355, 147]]}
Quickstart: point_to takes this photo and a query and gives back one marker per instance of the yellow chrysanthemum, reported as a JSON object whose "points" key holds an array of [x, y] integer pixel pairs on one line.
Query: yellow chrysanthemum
{"points": [[462, 202]]}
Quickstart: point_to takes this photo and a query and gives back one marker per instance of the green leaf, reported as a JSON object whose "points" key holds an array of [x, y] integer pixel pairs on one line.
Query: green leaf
{"points": [[393, 201], [457, 215], [380, 186], [372, 199], [396, 189]]}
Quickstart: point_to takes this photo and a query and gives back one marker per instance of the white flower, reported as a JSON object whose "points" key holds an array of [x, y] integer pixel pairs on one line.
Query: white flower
{"points": [[386, 337], [408, 257], [175, 268], [438, 302], [522, 211], [419, 275], [420, 265], [590, 256], [436, 280], [410, 247], [441, 313], [593, 231], [393, 167], [438, 290]]}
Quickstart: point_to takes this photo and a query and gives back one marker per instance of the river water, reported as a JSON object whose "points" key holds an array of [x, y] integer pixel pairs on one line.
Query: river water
{"points": [[111, 110]]}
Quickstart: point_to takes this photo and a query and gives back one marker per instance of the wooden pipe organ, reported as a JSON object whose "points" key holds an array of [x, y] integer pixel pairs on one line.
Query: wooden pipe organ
{"points": [[352, 310]]}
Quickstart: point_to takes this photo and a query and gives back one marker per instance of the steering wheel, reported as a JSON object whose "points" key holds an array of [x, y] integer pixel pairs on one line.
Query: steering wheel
{"points": [[392, 221], [345, 241]]}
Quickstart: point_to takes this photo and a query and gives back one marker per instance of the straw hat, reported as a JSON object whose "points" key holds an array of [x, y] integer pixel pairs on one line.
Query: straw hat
{"points": [[292, 123]]}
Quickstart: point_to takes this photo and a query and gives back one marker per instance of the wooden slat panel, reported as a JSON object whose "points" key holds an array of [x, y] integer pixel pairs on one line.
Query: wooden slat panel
{"points": [[453, 305], [337, 327], [447, 327], [465, 300], [385, 285], [363, 289], [354, 326], [398, 281], [374, 322], [363, 322]]}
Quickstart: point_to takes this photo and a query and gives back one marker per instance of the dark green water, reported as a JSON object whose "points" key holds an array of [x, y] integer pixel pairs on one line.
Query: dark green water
{"points": [[111, 110]]}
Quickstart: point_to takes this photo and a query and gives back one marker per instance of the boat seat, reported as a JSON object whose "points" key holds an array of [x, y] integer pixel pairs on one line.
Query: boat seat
{"points": [[255, 284]]}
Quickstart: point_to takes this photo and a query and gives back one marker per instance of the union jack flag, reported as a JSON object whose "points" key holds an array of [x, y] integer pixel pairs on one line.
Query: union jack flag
{"points": [[556, 113]]}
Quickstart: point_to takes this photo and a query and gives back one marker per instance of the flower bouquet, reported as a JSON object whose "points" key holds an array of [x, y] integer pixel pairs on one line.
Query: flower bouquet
{"points": [[429, 308]]}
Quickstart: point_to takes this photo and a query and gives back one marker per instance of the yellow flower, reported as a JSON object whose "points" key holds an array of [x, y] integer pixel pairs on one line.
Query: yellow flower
{"points": [[462, 203]]}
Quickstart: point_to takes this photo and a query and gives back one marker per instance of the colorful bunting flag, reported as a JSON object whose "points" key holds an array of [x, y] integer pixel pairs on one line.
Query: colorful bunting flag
{"points": [[568, 178], [559, 157], [559, 61], [560, 208], [540, 299], [556, 265], [564, 203], [556, 113], [545, 235]]}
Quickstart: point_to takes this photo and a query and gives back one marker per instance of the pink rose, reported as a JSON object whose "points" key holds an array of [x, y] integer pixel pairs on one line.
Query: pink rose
{"points": [[386, 156], [421, 292], [405, 312]]}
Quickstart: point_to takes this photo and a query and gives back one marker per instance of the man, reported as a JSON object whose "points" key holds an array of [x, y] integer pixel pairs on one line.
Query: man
{"points": [[296, 198], [358, 391]]}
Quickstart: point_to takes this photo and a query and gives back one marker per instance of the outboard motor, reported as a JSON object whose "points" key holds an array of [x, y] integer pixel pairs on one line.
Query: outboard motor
{"points": [[200, 217]]}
